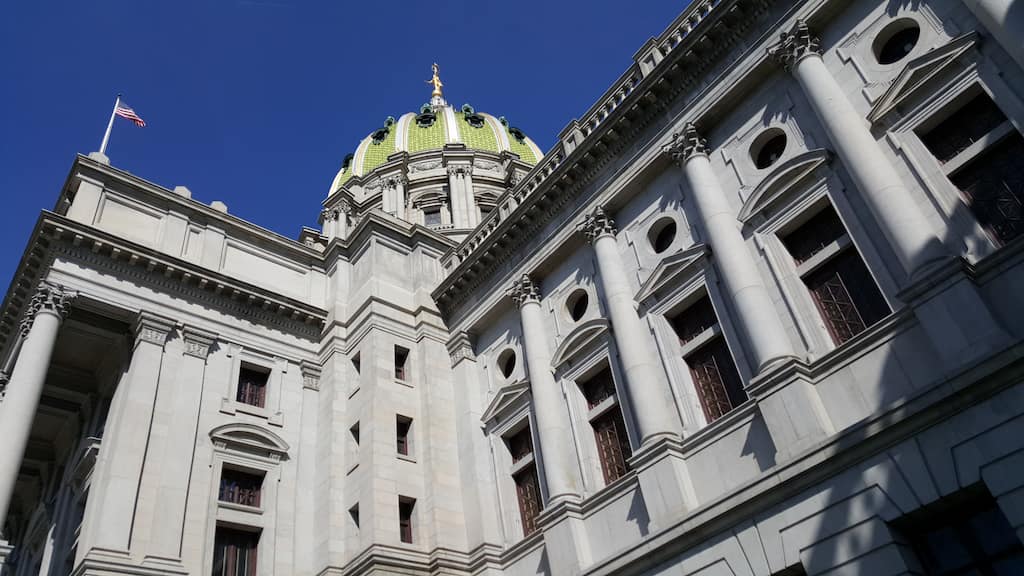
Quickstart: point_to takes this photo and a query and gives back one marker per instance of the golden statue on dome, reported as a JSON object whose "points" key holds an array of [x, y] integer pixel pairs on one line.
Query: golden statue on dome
{"points": [[436, 81]]}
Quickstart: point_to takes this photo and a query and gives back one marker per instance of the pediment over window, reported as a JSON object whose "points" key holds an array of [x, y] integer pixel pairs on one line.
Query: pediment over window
{"points": [[782, 178], [919, 71], [249, 439], [673, 269], [507, 400], [580, 340]]}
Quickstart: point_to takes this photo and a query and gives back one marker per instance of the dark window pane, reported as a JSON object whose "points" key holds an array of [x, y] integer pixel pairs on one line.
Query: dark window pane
{"points": [[405, 508], [963, 127], [528, 494], [612, 444], [252, 387], [239, 487], [520, 445], [599, 387], [993, 188], [693, 321], [812, 236], [716, 379], [846, 295], [234, 552], [402, 426]]}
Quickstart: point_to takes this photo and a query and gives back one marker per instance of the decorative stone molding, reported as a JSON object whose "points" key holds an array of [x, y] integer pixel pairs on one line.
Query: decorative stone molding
{"points": [[524, 290], [328, 214], [795, 45], [687, 144], [152, 329], [424, 166], [487, 165], [597, 224], [460, 347], [460, 169], [392, 182], [198, 342], [51, 298], [310, 375]]}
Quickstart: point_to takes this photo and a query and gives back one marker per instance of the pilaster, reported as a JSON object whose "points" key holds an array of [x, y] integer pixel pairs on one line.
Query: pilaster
{"points": [[565, 537], [664, 481]]}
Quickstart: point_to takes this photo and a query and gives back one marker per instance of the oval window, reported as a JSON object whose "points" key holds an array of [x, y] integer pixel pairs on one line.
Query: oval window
{"points": [[662, 234], [768, 148], [896, 41], [507, 362], [577, 304]]}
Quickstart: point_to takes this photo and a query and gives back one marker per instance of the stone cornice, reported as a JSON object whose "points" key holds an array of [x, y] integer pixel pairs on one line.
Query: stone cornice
{"points": [[56, 235], [566, 171]]}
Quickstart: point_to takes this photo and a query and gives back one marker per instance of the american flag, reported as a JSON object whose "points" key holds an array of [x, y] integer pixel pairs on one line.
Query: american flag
{"points": [[125, 111]]}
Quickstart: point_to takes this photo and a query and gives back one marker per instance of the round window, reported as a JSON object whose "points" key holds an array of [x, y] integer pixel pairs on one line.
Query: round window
{"points": [[768, 148], [507, 362], [662, 234], [896, 41], [577, 304]]}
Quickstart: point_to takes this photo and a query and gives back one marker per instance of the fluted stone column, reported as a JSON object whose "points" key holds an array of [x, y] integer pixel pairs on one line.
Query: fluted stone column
{"points": [[329, 218], [755, 311], [645, 387], [902, 221], [553, 431], [463, 205], [1004, 19], [47, 309]]}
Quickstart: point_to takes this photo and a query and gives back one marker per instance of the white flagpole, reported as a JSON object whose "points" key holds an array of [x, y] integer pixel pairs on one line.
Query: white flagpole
{"points": [[106, 136]]}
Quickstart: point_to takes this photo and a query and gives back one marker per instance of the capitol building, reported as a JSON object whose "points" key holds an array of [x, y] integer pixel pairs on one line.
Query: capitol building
{"points": [[759, 311]]}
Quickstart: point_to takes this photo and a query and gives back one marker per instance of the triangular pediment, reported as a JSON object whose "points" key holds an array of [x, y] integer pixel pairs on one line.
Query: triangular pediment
{"points": [[505, 399], [781, 179], [670, 268], [920, 70], [579, 340]]}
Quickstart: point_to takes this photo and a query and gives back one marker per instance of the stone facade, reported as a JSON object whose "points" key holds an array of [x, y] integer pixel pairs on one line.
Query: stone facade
{"points": [[756, 313]]}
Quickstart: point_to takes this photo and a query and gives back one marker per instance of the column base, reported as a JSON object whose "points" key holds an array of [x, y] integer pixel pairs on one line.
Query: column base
{"points": [[565, 536], [664, 481], [953, 314], [790, 407], [100, 562]]}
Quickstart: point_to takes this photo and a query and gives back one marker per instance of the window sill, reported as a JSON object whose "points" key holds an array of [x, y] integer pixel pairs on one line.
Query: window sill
{"points": [[239, 507], [352, 469], [405, 383], [406, 458], [233, 407]]}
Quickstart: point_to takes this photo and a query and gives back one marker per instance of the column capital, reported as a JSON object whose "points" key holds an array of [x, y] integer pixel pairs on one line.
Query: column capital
{"points": [[524, 290], [463, 169], [197, 342], [52, 298], [687, 144], [311, 373], [598, 223], [793, 46], [151, 328], [328, 214], [395, 181]]}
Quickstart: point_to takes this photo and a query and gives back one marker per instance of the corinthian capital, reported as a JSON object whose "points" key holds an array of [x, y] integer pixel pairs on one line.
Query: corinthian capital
{"points": [[687, 144], [794, 45], [524, 290], [51, 298], [598, 223]]}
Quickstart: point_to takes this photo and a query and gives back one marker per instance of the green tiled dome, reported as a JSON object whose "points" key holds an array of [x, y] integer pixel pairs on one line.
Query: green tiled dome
{"points": [[430, 129]]}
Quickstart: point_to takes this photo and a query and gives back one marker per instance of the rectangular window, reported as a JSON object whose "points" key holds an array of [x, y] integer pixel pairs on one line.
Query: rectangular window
{"points": [[432, 217], [252, 386], [980, 152], [356, 364], [401, 363], [966, 533], [402, 427], [605, 417], [520, 446], [354, 431], [843, 290], [706, 353], [237, 487], [353, 513], [234, 552], [405, 519]]}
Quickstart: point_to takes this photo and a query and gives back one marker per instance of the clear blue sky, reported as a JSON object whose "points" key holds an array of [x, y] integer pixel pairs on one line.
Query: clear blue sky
{"points": [[256, 102]]}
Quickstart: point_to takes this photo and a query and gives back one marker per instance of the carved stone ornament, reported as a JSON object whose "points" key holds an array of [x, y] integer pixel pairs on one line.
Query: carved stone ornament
{"points": [[457, 169], [687, 144], [197, 343], [310, 375], [794, 45], [344, 207], [460, 347], [152, 329], [392, 182], [524, 290], [424, 166], [51, 298], [598, 224], [328, 214], [487, 165]]}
